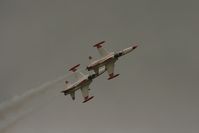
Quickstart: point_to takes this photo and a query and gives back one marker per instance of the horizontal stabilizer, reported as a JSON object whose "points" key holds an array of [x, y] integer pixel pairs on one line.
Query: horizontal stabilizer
{"points": [[65, 92], [72, 94]]}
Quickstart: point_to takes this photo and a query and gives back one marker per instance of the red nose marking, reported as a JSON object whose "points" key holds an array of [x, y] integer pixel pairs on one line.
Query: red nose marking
{"points": [[134, 47]]}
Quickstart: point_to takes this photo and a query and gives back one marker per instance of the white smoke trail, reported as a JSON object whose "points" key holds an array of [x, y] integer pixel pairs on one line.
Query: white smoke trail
{"points": [[11, 111]]}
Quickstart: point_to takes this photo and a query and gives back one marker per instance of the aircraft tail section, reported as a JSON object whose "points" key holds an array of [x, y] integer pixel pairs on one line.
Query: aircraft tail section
{"points": [[72, 93], [68, 91]]}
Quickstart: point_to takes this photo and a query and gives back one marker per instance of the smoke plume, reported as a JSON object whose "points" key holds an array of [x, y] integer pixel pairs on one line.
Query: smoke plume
{"points": [[20, 105]]}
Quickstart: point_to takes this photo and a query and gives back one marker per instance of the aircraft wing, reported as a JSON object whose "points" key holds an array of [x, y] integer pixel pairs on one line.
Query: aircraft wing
{"points": [[85, 93], [110, 68], [78, 75], [103, 52]]}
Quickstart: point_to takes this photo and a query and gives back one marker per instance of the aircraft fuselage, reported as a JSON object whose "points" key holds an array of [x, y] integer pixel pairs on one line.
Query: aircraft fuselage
{"points": [[77, 85], [111, 57], [101, 62]]}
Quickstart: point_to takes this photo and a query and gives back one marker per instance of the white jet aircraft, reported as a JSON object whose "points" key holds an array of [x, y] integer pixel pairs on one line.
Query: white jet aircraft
{"points": [[82, 83], [107, 59]]}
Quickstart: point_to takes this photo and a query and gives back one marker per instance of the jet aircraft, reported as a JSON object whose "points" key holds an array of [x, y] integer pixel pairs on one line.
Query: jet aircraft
{"points": [[107, 59], [82, 83]]}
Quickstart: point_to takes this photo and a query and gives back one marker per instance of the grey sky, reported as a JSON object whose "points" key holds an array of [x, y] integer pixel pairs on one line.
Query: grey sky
{"points": [[157, 90]]}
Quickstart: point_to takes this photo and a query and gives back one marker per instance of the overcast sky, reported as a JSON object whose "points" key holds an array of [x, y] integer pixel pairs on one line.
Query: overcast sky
{"points": [[157, 90]]}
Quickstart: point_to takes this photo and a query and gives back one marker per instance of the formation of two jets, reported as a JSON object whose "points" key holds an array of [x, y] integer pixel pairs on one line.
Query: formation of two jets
{"points": [[99, 66]]}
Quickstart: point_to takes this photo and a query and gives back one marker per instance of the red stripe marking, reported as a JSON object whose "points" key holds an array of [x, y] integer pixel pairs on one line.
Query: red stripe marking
{"points": [[74, 68], [98, 45], [85, 98]]}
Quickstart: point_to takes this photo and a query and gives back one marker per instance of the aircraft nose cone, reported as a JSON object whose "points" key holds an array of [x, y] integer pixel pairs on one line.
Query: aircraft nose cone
{"points": [[134, 47]]}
